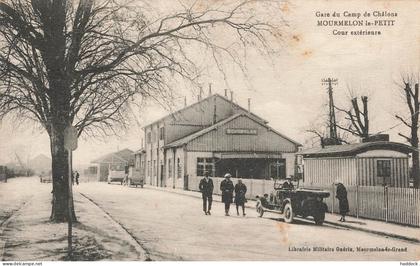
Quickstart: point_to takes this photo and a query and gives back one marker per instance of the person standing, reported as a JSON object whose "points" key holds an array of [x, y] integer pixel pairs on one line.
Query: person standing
{"points": [[206, 188], [343, 203], [226, 186], [77, 178], [288, 183], [240, 199]]}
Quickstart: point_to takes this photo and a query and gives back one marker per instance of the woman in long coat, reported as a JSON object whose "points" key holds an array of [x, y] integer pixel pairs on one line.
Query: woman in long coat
{"points": [[240, 199], [226, 186], [343, 203]]}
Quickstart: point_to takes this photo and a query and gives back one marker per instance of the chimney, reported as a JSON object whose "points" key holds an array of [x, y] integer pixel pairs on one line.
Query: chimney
{"points": [[214, 111], [209, 89], [231, 96], [226, 93], [201, 94], [249, 105], [185, 101]]}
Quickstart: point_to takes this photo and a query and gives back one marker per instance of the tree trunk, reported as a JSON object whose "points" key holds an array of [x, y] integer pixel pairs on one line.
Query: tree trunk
{"points": [[60, 174]]}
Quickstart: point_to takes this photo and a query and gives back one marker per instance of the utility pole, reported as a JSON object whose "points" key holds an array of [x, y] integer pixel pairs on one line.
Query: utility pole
{"points": [[332, 124]]}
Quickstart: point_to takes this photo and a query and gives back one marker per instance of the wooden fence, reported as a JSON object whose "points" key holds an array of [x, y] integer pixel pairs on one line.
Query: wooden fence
{"points": [[390, 204]]}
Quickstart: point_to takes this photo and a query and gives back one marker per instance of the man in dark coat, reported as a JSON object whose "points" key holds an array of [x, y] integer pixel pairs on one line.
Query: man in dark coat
{"points": [[226, 186], [206, 188], [288, 183], [343, 203], [240, 191]]}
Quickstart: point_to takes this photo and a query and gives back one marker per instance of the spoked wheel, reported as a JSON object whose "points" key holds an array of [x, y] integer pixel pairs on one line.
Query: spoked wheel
{"points": [[288, 213]]}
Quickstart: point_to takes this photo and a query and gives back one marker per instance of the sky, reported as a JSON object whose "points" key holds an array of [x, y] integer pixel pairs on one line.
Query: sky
{"points": [[285, 89]]}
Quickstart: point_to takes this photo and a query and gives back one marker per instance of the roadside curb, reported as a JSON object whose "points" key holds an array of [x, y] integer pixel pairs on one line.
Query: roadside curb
{"points": [[143, 253], [371, 231], [376, 232]]}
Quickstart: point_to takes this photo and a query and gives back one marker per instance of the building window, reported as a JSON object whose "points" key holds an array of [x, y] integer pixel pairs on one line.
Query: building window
{"points": [[179, 172], [154, 168], [205, 165], [149, 168], [278, 169], [383, 168], [149, 137], [169, 168], [161, 133]]}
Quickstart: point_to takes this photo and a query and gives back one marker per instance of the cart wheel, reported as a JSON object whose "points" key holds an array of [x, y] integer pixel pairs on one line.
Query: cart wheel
{"points": [[288, 213]]}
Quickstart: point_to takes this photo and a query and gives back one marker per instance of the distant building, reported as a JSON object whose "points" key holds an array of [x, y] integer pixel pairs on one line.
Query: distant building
{"points": [[374, 163], [217, 136], [40, 164], [117, 161]]}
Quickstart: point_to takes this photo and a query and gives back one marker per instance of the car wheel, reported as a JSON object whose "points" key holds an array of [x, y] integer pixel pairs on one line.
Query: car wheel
{"points": [[288, 213], [319, 218]]}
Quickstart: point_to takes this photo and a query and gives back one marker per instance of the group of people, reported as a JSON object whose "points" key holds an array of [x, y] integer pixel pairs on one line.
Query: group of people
{"points": [[227, 188]]}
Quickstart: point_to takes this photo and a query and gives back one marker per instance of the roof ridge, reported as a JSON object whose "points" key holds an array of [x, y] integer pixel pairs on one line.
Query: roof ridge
{"points": [[200, 101], [224, 121]]}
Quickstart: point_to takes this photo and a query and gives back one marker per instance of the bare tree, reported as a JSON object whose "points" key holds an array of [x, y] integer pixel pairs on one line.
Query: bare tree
{"points": [[358, 118], [319, 132], [410, 90], [78, 63]]}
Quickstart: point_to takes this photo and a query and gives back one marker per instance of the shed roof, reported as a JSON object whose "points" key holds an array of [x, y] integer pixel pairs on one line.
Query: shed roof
{"points": [[355, 148], [122, 156], [197, 134], [185, 109]]}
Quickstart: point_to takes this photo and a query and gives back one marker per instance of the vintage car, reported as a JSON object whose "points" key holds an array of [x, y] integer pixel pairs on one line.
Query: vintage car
{"points": [[116, 176], [136, 181], [294, 202]]}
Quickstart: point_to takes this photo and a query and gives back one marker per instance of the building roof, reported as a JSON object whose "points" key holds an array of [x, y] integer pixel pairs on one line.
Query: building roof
{"points": [[140, 151], [355, 148], [122, 156], [197, 134], [201, 101]]}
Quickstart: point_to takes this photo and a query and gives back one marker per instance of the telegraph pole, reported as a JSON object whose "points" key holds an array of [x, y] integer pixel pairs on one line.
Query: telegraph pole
{"points": [[331, 113]]}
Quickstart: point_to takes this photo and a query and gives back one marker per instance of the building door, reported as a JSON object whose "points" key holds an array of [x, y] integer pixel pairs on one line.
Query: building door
{"points": [[185, 182], [161, 175]]}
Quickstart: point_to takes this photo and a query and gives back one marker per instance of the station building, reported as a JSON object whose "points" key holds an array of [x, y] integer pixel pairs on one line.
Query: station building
{"points": [[213, 135]]}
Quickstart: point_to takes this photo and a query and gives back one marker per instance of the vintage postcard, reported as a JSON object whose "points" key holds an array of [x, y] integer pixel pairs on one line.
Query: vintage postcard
{"points": [[222, 130]]}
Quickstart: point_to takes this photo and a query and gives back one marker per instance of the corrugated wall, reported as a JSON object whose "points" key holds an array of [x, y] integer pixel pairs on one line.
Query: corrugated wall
{"points": [[327, 170], [367, 172], [265, 140]]}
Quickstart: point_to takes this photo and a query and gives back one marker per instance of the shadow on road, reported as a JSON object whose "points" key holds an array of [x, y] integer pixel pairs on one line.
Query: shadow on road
{"points": [[307, 222], [354, 222]]}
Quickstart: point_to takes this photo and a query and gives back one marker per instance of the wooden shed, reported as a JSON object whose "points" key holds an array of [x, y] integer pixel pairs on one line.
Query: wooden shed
{"points": [[365, 164]]}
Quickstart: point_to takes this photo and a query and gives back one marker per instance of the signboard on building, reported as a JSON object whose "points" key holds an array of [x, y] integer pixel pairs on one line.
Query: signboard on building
{"points": [[241, 131]]}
